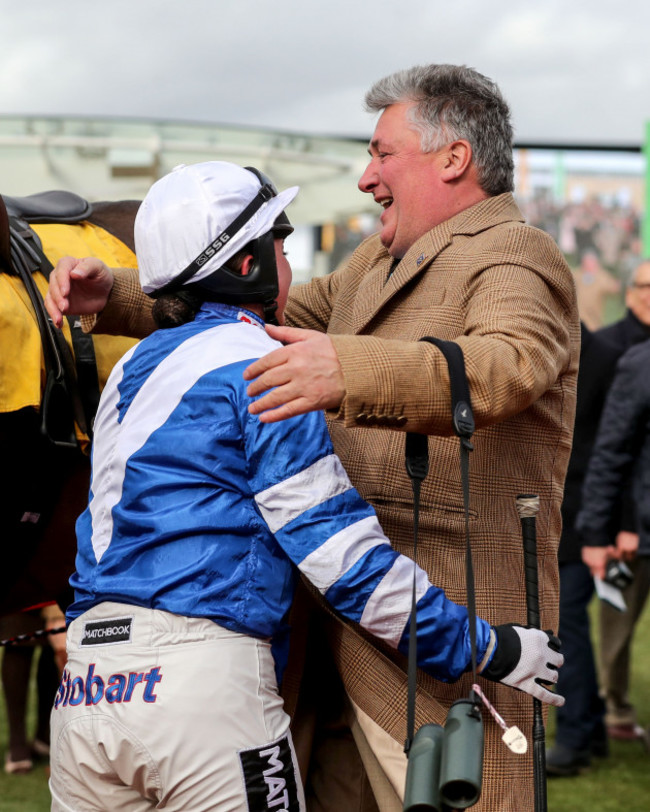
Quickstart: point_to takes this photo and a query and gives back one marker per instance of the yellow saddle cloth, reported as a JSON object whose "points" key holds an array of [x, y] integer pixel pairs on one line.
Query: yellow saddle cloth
{"points": [[22, 366]]}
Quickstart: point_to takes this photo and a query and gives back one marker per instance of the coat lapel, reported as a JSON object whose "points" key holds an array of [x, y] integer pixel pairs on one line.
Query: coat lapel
{"points": [[379, 286]]}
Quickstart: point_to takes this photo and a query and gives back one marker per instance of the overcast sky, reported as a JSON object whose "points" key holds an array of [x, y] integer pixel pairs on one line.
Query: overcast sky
{"points": [[573, 71]]}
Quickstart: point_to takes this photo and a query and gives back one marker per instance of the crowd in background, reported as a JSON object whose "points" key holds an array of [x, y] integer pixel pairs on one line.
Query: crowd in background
{"points": [[601, 243], [599, 238]]}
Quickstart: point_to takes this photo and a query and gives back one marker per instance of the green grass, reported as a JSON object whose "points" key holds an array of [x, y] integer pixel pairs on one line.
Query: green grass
{"points": [[620, 782]]}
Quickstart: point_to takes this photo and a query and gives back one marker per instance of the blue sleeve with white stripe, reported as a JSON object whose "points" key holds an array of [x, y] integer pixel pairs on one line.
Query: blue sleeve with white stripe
{"points": [[334, 537]]}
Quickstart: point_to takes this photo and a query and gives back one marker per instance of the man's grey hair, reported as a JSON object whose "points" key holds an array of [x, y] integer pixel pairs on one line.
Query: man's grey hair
{"points": [[455, 102]]}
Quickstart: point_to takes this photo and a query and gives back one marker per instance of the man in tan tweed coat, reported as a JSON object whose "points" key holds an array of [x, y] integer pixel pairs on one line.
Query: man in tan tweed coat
{"points": [[454, 260]]}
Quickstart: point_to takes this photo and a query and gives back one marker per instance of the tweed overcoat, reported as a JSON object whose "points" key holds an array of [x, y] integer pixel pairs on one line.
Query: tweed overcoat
{"points": [[504, 292]]}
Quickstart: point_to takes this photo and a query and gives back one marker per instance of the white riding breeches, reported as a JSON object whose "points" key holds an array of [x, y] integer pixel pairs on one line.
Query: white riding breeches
{"points": [[158, 711]]}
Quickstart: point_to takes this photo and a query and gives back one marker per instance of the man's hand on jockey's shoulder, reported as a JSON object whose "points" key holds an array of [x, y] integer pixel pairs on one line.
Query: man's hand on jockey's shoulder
{"points": [[304, 375]]}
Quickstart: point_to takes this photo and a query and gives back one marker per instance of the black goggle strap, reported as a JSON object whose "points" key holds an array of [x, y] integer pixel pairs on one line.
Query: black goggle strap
{"points": [[266, 193]]}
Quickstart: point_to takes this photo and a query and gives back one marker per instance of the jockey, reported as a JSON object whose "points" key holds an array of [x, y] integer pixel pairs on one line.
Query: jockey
{"points": [[199, 518]]}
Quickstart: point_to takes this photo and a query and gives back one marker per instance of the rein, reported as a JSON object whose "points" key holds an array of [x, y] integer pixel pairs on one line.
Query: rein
{"points": [[23, 638]]}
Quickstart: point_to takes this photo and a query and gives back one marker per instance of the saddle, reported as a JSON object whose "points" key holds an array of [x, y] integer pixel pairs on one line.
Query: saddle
{"points": [[44, 207], [49, 207]]}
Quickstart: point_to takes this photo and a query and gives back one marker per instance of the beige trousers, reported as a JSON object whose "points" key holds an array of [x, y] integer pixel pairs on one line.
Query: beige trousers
{"points": [[383, 758], [616, 635]]}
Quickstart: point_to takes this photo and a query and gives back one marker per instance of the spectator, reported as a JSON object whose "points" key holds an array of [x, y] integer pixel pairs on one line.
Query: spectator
{"points": [[618, 535], [621, 451], [593, 285], [580, 723]]}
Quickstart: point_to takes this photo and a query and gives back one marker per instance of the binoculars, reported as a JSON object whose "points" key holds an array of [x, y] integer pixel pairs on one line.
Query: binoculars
{"points": [[445, 765]]}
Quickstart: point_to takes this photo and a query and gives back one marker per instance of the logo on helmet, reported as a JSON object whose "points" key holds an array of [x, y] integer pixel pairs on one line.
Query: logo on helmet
{"points": [[212, 249]]}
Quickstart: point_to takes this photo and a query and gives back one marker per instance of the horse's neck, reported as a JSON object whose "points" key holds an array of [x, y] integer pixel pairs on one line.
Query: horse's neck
{"points": [[116, 218]]}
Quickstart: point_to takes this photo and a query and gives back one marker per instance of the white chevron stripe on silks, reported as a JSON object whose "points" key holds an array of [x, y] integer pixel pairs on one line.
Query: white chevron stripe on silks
{"points": [[151, 407], [284, 502], [328, 563], [388, 608]]}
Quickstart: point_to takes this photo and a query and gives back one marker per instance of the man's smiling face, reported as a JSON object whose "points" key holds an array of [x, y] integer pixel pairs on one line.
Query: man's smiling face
{"points": [[404, 180]]}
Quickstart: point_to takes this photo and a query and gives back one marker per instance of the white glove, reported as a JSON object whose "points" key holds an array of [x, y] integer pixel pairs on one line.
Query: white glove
{"points": [[526, 659]]}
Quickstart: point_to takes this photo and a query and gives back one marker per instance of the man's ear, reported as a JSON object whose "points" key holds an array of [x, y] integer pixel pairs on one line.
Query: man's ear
{"points": [[246, 265], [457, 158]]}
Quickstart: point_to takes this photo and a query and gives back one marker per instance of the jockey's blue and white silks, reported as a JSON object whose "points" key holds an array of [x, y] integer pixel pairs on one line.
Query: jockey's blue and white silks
{"points": [[199, 509]]}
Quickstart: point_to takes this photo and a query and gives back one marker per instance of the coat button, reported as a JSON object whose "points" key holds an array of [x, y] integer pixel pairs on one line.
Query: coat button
{"points": [[402, 420], [362, 418]]}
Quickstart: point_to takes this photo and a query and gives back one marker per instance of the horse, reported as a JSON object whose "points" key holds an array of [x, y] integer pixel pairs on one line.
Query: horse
{"points": [[50, 381]]}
